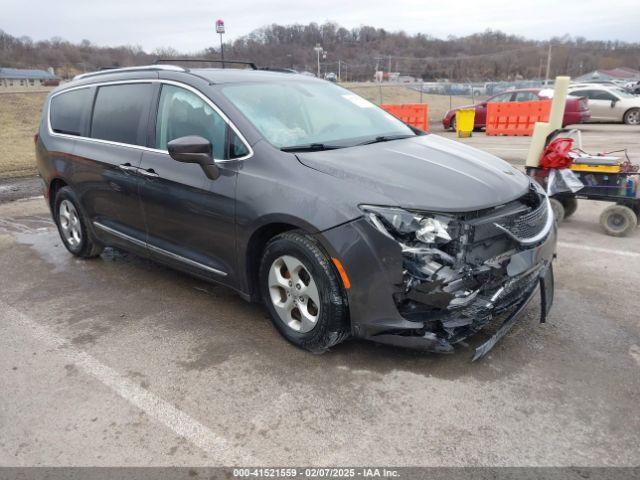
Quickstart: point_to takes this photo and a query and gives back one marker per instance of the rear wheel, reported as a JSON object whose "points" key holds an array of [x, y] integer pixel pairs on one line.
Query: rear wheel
{"points": [[303, 292], [632, 117], [72, 225], [618, 220], [558, 210]]}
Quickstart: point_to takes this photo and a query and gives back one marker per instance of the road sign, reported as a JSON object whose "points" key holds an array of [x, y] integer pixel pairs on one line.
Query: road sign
{"points": [[219, 26]]}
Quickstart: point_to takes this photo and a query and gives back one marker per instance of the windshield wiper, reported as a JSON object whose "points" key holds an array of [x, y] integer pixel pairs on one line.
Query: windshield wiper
{"points": [[385, 138], [311, 147]]}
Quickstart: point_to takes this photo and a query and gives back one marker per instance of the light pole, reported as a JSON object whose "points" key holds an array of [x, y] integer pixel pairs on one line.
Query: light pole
{"points": [[220, 30], [318, 50]]}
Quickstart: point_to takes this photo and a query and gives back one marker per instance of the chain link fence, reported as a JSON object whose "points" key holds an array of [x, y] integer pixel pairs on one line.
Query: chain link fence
{"points": [[439, 101]]}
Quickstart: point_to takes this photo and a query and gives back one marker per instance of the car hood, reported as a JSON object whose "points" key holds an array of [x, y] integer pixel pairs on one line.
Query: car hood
{"points": [[424, 173]]}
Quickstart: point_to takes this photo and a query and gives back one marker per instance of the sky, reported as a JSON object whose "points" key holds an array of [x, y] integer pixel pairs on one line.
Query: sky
{"points": [[188, 25]]}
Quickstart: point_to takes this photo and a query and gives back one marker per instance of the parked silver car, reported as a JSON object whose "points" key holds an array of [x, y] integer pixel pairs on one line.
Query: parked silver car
{"points": [[609, 103]]}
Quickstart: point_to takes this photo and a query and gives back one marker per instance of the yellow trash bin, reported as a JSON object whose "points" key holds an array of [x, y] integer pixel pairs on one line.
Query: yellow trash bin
{"points": [[465, 118]]}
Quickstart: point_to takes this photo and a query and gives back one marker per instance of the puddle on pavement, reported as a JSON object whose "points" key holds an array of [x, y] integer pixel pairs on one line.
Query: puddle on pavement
{"points": [[49, 248]]}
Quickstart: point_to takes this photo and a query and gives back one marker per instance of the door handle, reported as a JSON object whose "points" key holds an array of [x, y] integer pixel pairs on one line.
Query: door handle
{"points": [[127, 167], [150, 173]]}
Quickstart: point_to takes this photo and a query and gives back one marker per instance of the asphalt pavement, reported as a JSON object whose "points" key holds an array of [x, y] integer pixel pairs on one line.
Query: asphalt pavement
{"points": [[120, 361]]}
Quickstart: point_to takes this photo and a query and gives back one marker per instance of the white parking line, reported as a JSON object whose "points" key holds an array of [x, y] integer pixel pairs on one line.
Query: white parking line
{"points": [[609, 251], [154, 406]]}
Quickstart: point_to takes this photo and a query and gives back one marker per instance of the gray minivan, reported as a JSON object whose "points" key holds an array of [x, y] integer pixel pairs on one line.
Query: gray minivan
{"points": [[293, 191]]}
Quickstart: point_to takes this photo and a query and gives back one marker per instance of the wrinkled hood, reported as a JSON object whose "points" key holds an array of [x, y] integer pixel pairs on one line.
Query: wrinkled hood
{"points": [[426, 173]]}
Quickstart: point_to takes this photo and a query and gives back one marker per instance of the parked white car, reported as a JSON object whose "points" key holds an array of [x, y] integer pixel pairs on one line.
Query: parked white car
{"points": [[609, 103]]}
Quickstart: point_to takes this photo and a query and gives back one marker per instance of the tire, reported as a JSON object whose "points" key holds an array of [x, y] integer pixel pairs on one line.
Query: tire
{"points": [[570, 205], [632, 116], [297, 257], [558, 210], [72, 225], [618, 220], [452, 124]]}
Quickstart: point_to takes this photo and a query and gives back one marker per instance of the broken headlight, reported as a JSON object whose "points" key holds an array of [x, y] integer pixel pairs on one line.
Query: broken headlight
{"points": [[427, 240], [408, 227]]}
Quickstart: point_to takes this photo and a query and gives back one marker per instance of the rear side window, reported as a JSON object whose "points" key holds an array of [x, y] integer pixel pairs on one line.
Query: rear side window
{"points": [[526, 97], [68, 111], [504, 97], [121, 112]]}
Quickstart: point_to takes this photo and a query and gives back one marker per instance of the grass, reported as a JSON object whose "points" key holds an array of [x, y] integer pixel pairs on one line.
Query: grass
{"points": [[19, 119], [20, 115]]}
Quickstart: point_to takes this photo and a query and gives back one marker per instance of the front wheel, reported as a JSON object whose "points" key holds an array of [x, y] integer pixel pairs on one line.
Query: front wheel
{"points": [[303, 293], [570, 205], [558, 210]]}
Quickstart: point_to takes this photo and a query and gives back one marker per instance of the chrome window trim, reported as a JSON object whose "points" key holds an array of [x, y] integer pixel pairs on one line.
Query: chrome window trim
{"points": [[140, 147], [159, 250]]}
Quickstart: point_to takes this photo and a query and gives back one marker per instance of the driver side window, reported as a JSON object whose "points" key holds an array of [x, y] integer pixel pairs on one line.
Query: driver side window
{"points": [[603, 95], [182, 113]]}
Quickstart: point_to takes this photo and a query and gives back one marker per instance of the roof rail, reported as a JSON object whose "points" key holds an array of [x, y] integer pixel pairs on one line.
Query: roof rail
{"points": [[173, 68], [204, 60]]}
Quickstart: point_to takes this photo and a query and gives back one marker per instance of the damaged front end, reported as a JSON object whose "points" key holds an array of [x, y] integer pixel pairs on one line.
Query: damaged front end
{"points": [[461, 271]]}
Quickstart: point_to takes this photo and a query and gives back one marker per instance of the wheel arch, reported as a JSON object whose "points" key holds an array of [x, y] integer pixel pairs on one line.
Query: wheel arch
{"points": [[624, 115], [54, 186], [254, 248], [264, 231]]}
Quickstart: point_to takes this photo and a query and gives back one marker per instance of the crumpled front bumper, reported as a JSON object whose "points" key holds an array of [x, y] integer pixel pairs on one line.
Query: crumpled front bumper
{"points": [[374, 266]]}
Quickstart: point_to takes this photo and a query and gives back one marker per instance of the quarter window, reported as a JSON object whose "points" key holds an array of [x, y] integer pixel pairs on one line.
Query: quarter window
{"points": [[68, 111], [120, 113], [182, 113]]}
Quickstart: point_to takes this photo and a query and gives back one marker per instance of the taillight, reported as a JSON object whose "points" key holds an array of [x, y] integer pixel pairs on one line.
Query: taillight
{"points": [[584, 103]]}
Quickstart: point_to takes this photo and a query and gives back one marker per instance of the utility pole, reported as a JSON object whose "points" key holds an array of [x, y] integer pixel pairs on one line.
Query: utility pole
{"points": [[546, 77], [318, 50], [338, 69]]}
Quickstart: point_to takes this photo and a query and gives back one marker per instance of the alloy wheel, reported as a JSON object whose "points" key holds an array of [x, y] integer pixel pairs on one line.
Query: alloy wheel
{"points": [[70, 223], [633, 117], [294, 294]]}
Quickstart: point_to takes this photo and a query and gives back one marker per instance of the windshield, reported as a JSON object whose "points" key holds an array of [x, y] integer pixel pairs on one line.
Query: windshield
{"points": [[290, 114]]}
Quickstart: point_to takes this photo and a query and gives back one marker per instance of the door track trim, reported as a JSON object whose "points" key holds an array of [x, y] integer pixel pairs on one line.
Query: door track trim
{"points": [[159, 250]]}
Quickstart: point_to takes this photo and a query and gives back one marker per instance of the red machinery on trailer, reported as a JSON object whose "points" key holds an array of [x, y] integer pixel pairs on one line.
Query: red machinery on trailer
{"points": [[569, 173]]}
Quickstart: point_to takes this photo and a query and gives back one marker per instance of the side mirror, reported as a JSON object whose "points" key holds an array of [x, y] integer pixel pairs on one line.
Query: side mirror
{"points": [[483, 104], [194, 149], [613, 102]]}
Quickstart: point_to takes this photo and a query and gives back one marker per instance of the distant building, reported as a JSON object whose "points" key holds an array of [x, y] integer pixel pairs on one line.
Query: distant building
{"points": [[618, 75], [16, 77]]}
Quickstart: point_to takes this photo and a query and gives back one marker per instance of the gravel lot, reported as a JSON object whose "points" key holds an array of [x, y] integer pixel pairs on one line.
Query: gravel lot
{"points": [[119, 361]]}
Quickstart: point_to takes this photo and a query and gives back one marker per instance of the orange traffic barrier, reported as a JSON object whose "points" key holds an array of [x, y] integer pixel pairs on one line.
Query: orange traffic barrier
{"points": [[516, 118], [415, 114]]}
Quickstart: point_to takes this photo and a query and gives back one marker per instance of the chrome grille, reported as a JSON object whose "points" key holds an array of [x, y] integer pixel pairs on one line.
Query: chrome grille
{"points": [[528, 226]]}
